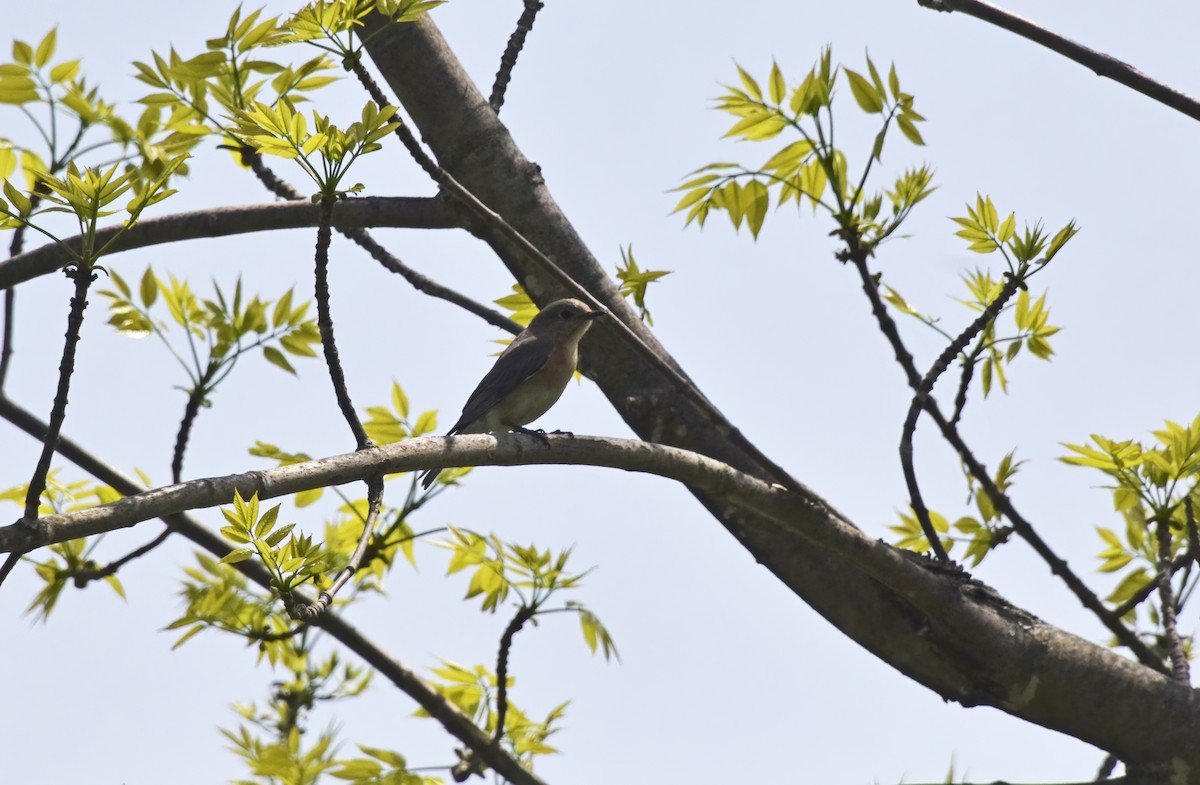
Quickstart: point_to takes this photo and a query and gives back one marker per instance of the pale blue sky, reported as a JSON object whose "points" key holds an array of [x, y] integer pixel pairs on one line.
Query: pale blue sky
{"points": [[726, 675]]}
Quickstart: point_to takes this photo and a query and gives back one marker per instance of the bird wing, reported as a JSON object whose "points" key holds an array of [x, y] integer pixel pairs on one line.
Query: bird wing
{"points": [[519, 361]]}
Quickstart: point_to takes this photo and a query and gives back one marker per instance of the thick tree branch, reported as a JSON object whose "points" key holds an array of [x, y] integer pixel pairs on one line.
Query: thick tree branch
{"points": [[1019, 663], [502, 234], [380, 211], [1104, 65], [473, 146], [455, 722]]}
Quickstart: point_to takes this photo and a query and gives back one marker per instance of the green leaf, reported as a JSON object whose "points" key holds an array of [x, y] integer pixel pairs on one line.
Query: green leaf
{"points": [[399, 400], [751, 86], [778, 87], [148, 289], [45, 49], [277, 358], [864, 93], [909, 130]]}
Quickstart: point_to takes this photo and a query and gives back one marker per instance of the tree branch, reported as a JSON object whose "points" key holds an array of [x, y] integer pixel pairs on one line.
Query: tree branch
{"points": [[933, 649], [82, 278], [380, 254], [396, 212], [455, 722], [508, 61], [1034, 670], [523, 614], [1102, 64], [921, 398], [1166, 599], [1058, 566]]}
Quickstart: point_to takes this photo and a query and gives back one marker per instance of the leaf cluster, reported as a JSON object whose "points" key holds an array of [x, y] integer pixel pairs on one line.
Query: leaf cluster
{"points": [[1150, 487], [811, 168], [217, 330], [474, 692], [72, 560]]}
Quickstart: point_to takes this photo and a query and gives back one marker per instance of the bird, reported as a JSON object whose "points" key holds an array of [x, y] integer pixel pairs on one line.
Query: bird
{"points": [[529, 375]]}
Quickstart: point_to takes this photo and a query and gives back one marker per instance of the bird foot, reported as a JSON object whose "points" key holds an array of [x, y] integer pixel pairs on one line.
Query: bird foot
{"points": [[538, 433]]}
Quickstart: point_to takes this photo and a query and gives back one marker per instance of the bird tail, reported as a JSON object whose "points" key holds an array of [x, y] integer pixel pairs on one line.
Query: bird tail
{"points": [[428, 477]]}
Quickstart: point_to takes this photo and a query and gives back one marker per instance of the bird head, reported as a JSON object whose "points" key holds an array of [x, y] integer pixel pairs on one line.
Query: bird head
{"points": [[568, 319]]}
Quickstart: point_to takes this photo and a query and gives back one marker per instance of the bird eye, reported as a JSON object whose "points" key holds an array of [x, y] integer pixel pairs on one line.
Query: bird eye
{"points": [[567, 313]]}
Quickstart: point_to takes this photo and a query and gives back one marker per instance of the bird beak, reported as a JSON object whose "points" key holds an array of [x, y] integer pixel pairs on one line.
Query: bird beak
{"points": [[593, 315]]}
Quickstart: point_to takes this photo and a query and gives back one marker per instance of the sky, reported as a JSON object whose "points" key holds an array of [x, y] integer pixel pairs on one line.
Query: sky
{"points": [[725, 674]]}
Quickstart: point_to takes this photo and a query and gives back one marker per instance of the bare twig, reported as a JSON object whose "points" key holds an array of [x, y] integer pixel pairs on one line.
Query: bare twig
{"points": [[83, 278], [10, 301], [190, 412], [86, 576], [508, 60], [964, 384], [309, 611], [1181, 561], [380, 254], [921, 397], [1057, 565], [6, 341], [524, 614], [325, 322], [1103, 64], [1166, 598]]}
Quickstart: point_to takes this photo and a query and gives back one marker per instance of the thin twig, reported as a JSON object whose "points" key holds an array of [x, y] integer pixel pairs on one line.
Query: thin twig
{"points": [[86, 576], [508, 60], [921, 397], [1057, 565], [1104, 65], [8, 565], [964, 384], [380, 254], [1181, 561], [83, 280], [1179, 661], [310, 611], [6, 342], [524, 614], [190, 412], [325, 323]]}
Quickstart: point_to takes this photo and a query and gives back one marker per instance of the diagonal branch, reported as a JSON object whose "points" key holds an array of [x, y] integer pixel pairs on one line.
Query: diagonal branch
{"points": [[380, 254], [921, 398], [455, 722], [1058, 566], [1104, 65]]}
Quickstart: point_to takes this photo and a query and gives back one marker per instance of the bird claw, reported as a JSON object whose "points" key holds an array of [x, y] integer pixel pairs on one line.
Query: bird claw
{"points": [[538, 433]]}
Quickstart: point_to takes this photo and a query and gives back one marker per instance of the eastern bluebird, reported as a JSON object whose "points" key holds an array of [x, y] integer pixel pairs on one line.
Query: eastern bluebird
{"points": [[529, 375]]}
